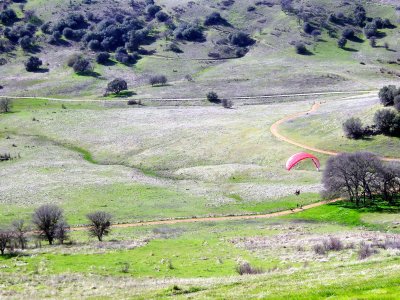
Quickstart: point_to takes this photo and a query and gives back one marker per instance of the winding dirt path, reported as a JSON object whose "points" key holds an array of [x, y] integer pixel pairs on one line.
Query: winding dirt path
{"points": [[275, 131], [214, 219]]}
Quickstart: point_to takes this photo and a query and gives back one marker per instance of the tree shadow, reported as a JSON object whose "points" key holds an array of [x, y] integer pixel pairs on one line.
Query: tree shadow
{"points": [[109, 63], [34, 49], [306, 53], [356, 39], [41, 70], [89, 74], [161, 85], [380, 35], [350, 49], [124, 94]]}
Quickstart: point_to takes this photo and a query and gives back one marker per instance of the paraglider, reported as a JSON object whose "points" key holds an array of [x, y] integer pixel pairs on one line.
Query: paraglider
{"points": [[298, 157]]}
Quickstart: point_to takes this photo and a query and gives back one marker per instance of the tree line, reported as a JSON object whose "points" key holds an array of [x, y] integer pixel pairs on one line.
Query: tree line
{"points": [[48, 223]]}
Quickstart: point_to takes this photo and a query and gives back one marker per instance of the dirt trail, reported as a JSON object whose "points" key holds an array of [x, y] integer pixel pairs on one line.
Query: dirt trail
{"points": [[192, 98], [275, 131], [214, 219]]}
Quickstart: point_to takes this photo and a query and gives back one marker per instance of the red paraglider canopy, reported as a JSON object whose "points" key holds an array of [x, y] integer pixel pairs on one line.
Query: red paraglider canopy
{"points": [[295, 159]]}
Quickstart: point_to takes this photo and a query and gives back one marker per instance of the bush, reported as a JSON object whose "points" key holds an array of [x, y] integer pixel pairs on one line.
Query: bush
{"points": [[68, 33], [117, 85], [300, 48], [386, 121], [370, 30], [213, 97], [365, 251], [174, 48], [319, 249], [25, 43], [33, 64], [100, 223], [308, 28], [8, 17], [333, 244], [387, 95], [152, 9], [245, 268], [158, 80], [161, 16], [342, 42], [102, 58], [82, 66], [189, 32], [227, 103], [46, 219], [353, 128], [240, 39], [348, 33], [94, 45], [214, 19], [73, 59], [5, 105]]}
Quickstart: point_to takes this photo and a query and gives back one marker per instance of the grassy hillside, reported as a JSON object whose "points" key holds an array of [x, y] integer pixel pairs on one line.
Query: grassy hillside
{"points": [[271, 65]]}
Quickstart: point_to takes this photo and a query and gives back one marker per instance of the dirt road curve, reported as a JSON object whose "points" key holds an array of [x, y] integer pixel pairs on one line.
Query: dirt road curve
{"points": [[214, 219], [275, 131]]}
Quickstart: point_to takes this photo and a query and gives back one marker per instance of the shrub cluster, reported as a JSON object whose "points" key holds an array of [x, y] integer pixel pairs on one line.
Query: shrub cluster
{"points": [[189, 32], [158, 80], [49, 224], [33, 64]]}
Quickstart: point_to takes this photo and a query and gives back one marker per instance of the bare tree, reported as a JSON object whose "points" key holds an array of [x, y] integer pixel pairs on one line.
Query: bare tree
{"points": [[100, 223], [353, 174], [62, 231], [158, 80], [46, 219], [20, 228], [5, 239], [5, 105], [388, 181]]}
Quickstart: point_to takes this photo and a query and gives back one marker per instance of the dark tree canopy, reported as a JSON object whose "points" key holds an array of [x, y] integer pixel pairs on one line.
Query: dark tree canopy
{"points": [[353, 128], [33, 64], [213, 97], [387, 94], [8, 17], [82, 65], [300, 48], [240, 39], [103, 58], [214, 18], [117, 85], [190, 32], [387, 121]]}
